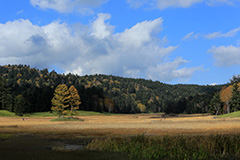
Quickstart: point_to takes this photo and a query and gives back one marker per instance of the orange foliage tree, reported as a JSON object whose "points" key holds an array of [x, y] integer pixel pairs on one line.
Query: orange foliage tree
{"points": [[74, 100], [226, 95]]}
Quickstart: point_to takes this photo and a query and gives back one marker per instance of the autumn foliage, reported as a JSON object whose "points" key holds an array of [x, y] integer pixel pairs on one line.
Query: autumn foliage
{"points": [[74, 100], [63, 98], [60, 100], [226, 96]]}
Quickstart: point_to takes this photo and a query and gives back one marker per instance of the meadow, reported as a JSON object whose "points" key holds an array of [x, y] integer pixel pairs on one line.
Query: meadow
{"points": [[68, 138]]}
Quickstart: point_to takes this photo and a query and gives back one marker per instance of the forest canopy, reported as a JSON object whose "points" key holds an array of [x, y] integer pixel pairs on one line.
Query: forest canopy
{"points": [[103, 93]]}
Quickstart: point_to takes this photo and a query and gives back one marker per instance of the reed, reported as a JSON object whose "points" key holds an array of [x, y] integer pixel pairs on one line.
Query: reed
{"points": [[172, 147]]}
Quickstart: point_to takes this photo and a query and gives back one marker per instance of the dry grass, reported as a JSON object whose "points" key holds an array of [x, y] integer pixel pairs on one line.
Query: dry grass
{"points": [[149, 124]]}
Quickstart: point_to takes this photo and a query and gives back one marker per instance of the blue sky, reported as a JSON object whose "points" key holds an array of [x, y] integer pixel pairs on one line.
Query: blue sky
{"points": [[174, 41]]}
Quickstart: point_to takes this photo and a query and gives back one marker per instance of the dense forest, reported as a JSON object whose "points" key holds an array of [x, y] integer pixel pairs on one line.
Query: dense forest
{"points": [[26, 90]]}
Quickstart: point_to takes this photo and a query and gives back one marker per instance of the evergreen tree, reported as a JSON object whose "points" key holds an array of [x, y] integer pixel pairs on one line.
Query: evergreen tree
{"points": [[60, 100], [3, 93], [74, 100], [235, 99], [235, 79], [216, 104], [21, 105]]}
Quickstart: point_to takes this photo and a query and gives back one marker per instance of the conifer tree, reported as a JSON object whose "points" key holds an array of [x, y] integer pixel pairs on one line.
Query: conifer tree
{"points": [[235, 99], [3, 93], [216, 104], [21, 105], [60, 100], [74, 100]]}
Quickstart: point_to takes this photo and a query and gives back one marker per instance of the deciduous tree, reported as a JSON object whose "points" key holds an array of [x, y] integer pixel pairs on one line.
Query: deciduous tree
{"points": [[225, 96]]}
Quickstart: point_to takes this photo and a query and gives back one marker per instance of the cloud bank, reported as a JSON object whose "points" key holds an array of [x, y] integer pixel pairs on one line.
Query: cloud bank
{"points": [[95, 48]]}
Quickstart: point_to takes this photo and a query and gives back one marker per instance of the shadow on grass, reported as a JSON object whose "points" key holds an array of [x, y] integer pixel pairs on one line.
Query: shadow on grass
{"points": [[29, 147]]}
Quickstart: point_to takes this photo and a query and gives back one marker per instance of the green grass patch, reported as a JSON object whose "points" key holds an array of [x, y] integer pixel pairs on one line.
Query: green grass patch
{"points": [[91, 113], [66, 119], [41, 114], [230, 115], [4, 113]]}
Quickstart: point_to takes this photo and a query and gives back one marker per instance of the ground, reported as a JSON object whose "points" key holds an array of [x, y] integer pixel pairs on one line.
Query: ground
{"points": [[148, 124], [39, 138]]}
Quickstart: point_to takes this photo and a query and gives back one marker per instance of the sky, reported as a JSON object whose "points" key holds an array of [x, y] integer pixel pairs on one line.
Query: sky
{"points": [[174, 41]]}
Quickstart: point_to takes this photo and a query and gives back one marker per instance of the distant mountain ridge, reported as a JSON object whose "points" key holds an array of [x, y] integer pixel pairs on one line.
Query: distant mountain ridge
{"points": [[107, 93]]}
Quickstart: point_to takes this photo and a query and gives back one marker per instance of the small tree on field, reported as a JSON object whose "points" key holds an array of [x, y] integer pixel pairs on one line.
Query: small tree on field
{"points": [[60, 100], [74, 100]]}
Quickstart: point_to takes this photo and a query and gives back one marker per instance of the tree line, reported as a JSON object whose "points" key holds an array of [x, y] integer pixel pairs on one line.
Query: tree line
{"points": [[25, 90]]}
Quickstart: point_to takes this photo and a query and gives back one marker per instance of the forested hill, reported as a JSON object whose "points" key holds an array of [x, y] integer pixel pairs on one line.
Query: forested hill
{"points": [[100, 92]]}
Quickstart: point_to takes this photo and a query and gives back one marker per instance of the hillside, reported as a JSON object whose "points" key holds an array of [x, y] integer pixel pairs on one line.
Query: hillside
{"points": [[98, 92]]}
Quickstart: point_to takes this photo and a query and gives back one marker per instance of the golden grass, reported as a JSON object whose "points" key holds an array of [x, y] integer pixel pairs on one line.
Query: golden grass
{"points": [[149, 124]]}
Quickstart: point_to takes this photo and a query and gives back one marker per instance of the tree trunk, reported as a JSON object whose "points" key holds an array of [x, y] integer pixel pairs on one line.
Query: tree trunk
{"points": [[228, 107]]}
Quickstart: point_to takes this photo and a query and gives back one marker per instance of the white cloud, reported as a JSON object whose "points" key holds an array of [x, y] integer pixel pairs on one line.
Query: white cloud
{"points": [[231, 33], [170, 70], [221, 2], [140, 34], [20, 12], [90, 49], [67, 6], [213, 84], [163, 4], [191, 35], [226, 55], [100, 29]]}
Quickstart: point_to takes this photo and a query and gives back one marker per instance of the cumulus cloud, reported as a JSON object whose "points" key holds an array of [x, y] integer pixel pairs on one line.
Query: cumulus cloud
{"points": [[170, 70], [67, 6], [95, 48], [100, 29], [163, 4], [226, 55]]}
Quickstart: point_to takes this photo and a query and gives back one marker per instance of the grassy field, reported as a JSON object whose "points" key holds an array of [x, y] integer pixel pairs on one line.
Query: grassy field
{"points": [[148, 124], [4, 113], [14, 131]]}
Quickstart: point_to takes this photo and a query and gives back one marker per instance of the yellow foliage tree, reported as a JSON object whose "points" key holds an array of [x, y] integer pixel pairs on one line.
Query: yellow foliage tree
{"points": [[109, 104], [74, 100], [60, 100], [142, 107]]}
